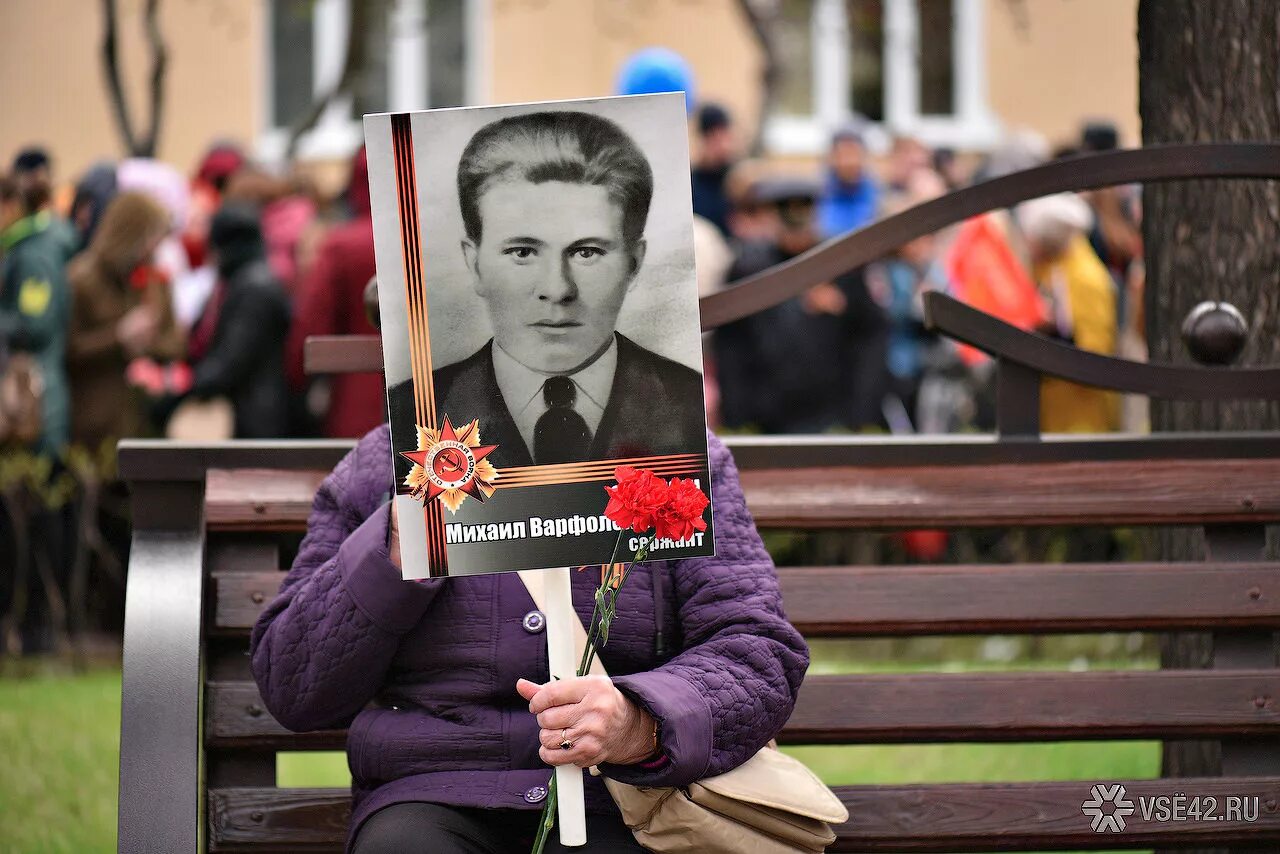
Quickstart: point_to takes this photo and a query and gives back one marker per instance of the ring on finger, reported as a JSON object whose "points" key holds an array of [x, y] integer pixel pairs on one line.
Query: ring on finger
{"points": [[565, 743]]}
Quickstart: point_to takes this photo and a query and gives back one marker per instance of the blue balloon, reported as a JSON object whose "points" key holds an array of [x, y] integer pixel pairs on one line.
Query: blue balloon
{"points": [[656, 69]]}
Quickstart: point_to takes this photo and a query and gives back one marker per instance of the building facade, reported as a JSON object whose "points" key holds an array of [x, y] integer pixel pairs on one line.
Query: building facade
{"points": [[953, 72]]}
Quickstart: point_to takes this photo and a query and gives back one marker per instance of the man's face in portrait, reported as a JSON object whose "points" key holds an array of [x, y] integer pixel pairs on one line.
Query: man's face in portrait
{"points": [[553, 267]]}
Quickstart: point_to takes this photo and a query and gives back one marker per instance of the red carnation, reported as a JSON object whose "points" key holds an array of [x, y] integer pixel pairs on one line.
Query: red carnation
{"points": [[681, 513], [635, 501]]}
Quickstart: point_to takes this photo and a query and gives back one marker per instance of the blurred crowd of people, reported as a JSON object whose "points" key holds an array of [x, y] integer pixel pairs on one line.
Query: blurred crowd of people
{"points": [[148, 303], [853, 354], [141, 302], [138, 301]]}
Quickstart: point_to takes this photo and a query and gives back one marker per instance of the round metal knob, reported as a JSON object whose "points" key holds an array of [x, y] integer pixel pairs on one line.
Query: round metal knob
{"points": [[371, 302], [1215, 333]]}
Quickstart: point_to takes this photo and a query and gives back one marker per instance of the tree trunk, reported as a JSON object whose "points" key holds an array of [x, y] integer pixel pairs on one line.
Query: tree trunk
{"points": [[1207, 72], [762, 24], [361, 16], [135, 145]]}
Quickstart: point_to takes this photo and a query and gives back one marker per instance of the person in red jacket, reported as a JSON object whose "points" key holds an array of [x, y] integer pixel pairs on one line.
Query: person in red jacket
{"points": [[330, 301]]}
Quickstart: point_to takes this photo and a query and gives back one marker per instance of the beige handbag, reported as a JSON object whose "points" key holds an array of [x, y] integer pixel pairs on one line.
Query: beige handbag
{"points": [[771, 804]]}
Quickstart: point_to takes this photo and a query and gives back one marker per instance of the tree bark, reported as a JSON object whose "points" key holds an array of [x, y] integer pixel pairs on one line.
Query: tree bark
{"points": [[762, 23], [355, 64], [159, 64], [145, 145], [1207, 72]]}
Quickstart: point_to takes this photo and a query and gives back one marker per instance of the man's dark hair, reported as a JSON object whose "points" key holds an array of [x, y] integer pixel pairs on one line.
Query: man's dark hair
{"points": [[712, 117], [235, 234], [1099, 136], [31, 160], [574, 147]]}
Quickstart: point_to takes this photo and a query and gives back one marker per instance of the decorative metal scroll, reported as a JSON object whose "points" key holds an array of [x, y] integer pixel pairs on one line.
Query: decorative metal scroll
{"points": [[1086, 172], [343, 354]]}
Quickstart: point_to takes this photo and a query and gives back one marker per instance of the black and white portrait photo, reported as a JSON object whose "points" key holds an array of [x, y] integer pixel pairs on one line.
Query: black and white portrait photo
{"points": [[558, 280], [539, 311]]}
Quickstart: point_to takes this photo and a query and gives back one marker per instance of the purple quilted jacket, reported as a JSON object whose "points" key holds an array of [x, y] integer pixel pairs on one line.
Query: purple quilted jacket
{"points": [[424, 673]]}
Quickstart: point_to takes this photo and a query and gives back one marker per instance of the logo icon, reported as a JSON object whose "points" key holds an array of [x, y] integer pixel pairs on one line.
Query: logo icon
{"points": [[1104, 819], [450, 464]]}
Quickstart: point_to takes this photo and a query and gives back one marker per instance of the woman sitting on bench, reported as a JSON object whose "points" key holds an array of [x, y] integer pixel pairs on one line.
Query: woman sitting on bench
{"points": [[435, 679]]}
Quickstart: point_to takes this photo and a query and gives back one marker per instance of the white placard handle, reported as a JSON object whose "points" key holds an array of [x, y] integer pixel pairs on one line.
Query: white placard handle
{"points": [[561, 619]]}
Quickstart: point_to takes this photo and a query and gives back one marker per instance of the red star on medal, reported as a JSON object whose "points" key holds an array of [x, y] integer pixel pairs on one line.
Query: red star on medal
{"points": [[447, 464]]}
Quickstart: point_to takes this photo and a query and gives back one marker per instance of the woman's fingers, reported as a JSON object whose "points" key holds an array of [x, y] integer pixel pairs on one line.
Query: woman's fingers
{"points": [[586, 750], [560, 717], [572, 709], [565, 691]]}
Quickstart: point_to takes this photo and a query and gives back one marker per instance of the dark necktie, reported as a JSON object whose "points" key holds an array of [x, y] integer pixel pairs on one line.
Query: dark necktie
{"points": [[561, 434]]}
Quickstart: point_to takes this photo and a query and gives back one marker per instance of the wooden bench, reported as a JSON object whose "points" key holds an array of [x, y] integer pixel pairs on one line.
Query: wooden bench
{"points": [[199, 750], [216, 525]]}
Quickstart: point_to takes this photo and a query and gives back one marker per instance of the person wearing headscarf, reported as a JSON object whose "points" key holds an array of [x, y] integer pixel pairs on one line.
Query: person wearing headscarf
{"points": [[166, 185], [120, 311], [1081, 294]]}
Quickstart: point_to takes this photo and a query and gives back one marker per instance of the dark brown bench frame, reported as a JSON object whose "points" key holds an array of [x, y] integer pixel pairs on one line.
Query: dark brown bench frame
{"points": [[198, 749]]}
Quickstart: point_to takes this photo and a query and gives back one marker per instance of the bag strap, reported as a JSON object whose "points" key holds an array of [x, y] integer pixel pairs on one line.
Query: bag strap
{"points": [[535, 582]]}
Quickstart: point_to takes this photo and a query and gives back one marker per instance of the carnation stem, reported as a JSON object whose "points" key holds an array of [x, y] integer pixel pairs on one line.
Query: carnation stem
{"points": [[584, 666], [611, 600]]}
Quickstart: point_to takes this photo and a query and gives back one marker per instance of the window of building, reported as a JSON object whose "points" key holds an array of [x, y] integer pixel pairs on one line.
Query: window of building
{"points": [[913, 67], [419, 54]]}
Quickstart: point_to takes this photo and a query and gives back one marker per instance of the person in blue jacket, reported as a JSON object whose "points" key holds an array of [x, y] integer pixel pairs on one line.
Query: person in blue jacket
{"points": [[851, 194]]}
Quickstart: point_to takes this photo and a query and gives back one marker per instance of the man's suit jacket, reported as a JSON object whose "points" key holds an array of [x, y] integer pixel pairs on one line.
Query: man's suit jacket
{"points": [[655, 407]]}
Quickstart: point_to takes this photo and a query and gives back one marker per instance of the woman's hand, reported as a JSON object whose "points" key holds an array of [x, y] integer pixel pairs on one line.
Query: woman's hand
{"points": [[603, 724]]}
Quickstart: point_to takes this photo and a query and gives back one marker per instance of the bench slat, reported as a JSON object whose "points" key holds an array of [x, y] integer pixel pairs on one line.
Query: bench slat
{"points": [[927, 707], [1085, 493], [911, 818], [897, 708], [1177, 492], [912, 600], [266, 819], [243, 553], [260, 499]]}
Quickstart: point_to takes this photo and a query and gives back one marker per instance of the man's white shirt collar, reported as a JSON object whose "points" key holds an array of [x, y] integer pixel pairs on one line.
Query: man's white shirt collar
{"points": [[521, 389]]}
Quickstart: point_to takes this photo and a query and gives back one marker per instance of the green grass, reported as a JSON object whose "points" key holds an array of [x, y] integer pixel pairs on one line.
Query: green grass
{"points": [[59, 753], [59, 763]]}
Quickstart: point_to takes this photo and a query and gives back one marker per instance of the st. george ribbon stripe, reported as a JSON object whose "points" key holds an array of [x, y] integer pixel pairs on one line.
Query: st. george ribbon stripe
{"points": [[420, 340], [609, 464]]}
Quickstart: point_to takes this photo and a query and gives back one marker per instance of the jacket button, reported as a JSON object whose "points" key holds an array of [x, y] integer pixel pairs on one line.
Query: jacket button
{"points": [[534, 622], [536, 795]]}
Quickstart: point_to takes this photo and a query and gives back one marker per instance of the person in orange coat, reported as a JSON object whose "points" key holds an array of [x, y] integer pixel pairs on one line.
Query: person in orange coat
{"points": [[330, 301]]}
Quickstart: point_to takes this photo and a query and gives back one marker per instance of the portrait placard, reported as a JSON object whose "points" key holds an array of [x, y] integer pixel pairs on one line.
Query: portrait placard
{"points": [[539, 315]]}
